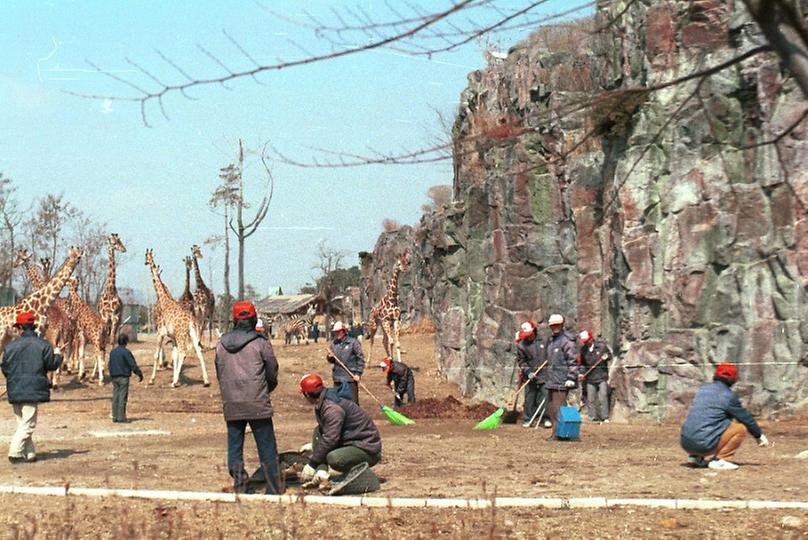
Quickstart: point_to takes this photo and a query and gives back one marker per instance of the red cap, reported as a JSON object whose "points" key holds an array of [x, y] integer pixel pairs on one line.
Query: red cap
{"points": [[726, 372], [310, 383], [25, 317], [527, 329], [586, 337], [243, 310], [386, 364]]}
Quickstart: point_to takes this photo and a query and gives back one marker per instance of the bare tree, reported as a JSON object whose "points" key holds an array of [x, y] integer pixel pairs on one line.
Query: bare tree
{"points": [[91, 270], [329, 260], [49, 224], [225, 198], [11, 218]]}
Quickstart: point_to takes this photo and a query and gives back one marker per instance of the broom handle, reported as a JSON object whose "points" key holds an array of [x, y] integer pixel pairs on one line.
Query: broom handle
{"points": [[365, 388], [588, 371], [529, 379]]}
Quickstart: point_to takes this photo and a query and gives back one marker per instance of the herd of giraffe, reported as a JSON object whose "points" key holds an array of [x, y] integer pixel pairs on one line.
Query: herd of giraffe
{"points": [[70, 323]]}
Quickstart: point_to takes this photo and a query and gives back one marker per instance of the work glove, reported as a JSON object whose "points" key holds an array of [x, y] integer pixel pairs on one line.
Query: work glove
{"points": [[581, 377], [307, 473], [762, 440], [533, 376], [308, 447], [569, 384], [321, 476], [356, 378], [57, 351]]}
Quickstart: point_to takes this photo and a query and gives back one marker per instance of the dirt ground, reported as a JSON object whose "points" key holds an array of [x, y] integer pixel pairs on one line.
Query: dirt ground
{"points": [[437, 457]]}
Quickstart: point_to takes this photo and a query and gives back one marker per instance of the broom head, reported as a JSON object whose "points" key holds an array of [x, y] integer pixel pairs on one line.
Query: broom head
{"points": [[395, 417], [493, 421]]}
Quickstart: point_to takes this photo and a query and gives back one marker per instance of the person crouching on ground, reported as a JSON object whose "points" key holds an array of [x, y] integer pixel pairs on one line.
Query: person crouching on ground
{"points": [[121, 366], [717, 423], [400, 380], [247, 371], [26, 361], [345, 435], [349, 352], [594, 373], [530, 355], [562, 367]]}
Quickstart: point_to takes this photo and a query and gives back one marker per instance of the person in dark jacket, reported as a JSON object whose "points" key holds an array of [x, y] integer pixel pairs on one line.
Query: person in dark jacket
{"points": [[562, 367], [315, 331], [121, 366], [349, 352], [717, 423], [593, 363], [400, 379], [26, 361], [247, 371], [345, 435], [530, 355]]}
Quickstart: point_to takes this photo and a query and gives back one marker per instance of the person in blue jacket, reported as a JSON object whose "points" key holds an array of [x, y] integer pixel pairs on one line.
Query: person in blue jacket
{"points": [[121, 366], [717, 423]]}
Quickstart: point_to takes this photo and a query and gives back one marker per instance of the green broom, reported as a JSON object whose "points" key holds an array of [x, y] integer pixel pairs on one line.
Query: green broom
{"points": [[393, 416], [495, 418]]}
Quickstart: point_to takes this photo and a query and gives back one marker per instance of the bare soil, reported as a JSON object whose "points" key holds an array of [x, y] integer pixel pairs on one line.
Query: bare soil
{"points": [[439, 456]]}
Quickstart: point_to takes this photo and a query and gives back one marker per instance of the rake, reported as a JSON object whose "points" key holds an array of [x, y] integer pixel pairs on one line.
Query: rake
{"points": [[495, 418], [393, 416]]}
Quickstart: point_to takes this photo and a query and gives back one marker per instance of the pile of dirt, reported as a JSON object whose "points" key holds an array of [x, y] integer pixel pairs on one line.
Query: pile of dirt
{"points": [[448, 407]]}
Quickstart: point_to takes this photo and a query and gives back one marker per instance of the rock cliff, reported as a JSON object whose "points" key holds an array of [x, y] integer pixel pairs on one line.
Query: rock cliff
{"points": [[651, 214]]}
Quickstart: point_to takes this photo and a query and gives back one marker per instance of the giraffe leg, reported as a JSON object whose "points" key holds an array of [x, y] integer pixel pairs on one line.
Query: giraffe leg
{"points": [[396, 342], [177, 356], [388, 331], [196, 342], [100, 353]]}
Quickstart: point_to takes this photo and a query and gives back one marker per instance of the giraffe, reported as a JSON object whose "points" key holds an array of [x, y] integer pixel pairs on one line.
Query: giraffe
{"points": [[59, 327], [387, 313], [90, 326], [186, 299], [110, 307], [204, 300], [174, 323], [40, 300]]}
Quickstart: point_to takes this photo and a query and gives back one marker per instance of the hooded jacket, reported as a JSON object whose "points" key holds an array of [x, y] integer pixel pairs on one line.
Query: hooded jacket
{"points": [[26, 361], [247, 371], [343, 423], [562, 360], [714, 407]]}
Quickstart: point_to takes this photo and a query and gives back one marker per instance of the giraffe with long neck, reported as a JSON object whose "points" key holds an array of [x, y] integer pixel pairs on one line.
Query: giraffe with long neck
{"points": [[60, 326], [40, 300], [110, 307], [174, 323], [387, 313], [91, 328], [204, 300], [186, 299]]}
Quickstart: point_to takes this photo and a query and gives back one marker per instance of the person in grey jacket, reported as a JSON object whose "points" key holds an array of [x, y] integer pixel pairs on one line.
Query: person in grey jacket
{"points": [[247, 371], [530, 355], [345, 435], [717, 423], [349, 352], [26, 361], [562, 367]]}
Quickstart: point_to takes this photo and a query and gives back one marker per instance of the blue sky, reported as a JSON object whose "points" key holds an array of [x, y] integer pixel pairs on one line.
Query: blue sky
{"points": [[151, 185]]}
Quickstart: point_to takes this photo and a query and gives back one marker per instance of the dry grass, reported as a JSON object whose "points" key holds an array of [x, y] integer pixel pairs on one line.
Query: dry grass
{"points": [[423, 327]]}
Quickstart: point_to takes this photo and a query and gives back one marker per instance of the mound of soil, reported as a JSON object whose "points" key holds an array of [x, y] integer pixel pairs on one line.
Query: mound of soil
{"points": [[448, 407]]}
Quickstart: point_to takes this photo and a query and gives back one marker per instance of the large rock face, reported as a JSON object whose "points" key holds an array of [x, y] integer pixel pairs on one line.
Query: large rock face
{"points": [[652, 218]]}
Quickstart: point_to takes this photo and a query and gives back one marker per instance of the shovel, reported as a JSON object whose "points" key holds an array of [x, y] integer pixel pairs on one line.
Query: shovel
{"points": [[495, 418], [393, 416]]}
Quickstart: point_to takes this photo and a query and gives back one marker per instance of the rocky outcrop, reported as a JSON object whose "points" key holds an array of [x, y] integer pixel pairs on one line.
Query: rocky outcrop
{"points": [[651, 215]]}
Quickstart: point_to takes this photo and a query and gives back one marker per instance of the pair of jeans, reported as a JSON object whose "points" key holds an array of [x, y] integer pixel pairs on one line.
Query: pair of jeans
{"points": [[120, 395], [535, 394], [597, 395], [264, 435], [22, 442], [348, 390]]}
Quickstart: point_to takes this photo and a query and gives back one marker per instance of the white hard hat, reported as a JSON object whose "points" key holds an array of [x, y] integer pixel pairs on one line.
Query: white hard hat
{"points": [[339, 325], [555, 318]]}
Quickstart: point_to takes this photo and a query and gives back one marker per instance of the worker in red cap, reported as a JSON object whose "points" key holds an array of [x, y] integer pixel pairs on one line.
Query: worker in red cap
{"points": [[593, 362], [26, 361], [717, 423], [400, 379], [345, 435], [530, 355], [247, 371]]}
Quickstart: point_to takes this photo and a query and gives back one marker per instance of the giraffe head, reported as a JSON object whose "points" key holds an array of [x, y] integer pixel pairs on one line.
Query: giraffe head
{"points": [[45, 263], [149, 257], [115, 243], [23, 255], [188, 263], [196, 251], [403, 262]]}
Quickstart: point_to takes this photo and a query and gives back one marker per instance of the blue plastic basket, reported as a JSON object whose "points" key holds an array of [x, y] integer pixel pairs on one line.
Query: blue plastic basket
{"points": [[569, 423]]}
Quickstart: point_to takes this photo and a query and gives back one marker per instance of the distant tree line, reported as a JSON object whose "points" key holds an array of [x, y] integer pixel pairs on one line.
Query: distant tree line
{"points": [[46, 227]]}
